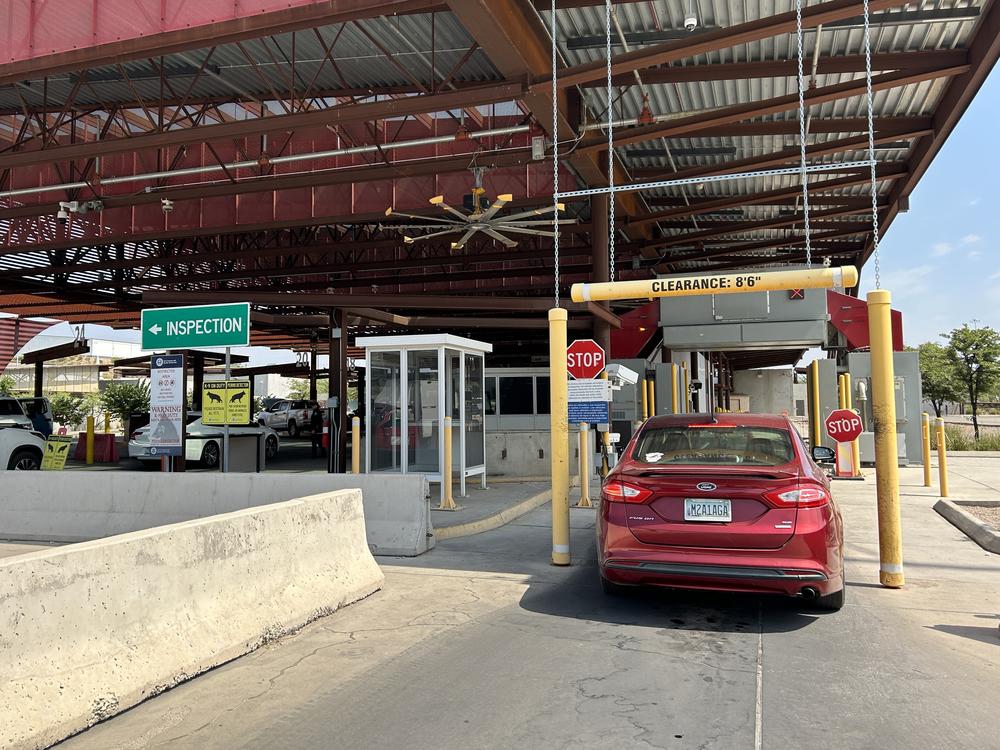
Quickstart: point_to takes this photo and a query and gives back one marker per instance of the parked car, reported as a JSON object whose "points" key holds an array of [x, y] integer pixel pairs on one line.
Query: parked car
{"points": [[730, 503], [287, 415], [38, 410], [12, 414], [203, 444], [20, 449]]}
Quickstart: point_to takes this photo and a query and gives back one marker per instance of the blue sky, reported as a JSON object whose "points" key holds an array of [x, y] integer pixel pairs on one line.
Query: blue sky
{"points": [[941, 261]]}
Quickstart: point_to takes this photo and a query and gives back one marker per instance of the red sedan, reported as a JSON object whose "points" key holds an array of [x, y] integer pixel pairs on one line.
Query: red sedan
{"points": [[733, 503]]}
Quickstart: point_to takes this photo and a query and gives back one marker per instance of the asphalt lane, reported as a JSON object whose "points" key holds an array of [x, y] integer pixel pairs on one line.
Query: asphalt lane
{"points": [[482, 644]]}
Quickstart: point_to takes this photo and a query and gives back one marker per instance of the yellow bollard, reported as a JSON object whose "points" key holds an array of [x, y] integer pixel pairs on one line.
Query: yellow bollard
{"points": [[584, 467], [645, 400], [356, 445], [559, 430], [90, 440], [855, 444], [841, 392], [447, 499], [107, 423], [942, 442], [817, 436], [925, 439], [652, 398], [675, 404], [890, 539]]}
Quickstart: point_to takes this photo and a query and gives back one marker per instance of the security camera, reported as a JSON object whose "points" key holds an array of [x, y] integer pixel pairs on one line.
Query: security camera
{"points": [[690, 23], [167, 205], [65, 209], [62, 215], [622, 374]]}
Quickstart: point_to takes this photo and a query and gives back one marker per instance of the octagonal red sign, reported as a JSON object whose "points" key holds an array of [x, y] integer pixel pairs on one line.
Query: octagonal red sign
{"points": [[843, 425], [584, 358]]}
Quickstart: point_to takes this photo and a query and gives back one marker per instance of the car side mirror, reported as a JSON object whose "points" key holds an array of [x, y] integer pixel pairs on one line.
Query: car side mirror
{"points": [[823, 455]]}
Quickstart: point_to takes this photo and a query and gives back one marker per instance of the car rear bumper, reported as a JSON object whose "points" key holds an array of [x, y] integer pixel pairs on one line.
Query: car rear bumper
{"points": [[737, 572]]}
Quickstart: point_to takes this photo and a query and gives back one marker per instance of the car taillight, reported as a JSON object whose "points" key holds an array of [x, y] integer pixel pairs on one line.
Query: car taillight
{"points": [[623, 492], [802, 496]]}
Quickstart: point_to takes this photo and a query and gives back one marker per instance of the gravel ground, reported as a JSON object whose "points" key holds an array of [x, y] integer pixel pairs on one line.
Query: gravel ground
{"points": [[990, 515]]}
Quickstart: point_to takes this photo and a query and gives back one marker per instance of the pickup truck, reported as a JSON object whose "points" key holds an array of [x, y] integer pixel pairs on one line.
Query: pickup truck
{"points": [[291, 416]]}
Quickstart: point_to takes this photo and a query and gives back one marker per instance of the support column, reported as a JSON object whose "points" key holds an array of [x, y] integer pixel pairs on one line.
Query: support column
{"points": [[600, 270], [338, 386], [39, 378], [312, 374], [198, 379]]}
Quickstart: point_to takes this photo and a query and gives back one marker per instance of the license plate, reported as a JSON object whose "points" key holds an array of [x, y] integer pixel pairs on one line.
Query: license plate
{"points": [[708, 510]]}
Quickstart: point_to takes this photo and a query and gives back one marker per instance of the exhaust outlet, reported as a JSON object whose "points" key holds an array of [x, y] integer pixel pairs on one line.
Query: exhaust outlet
{"points": [[810, 593]]}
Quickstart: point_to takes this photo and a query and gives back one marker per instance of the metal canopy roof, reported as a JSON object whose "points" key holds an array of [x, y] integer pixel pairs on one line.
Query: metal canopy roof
{"points": [[290, 82]]}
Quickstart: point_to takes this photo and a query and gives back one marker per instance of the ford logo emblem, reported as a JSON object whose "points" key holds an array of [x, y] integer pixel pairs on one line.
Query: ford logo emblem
{"points": [[705, 486]]}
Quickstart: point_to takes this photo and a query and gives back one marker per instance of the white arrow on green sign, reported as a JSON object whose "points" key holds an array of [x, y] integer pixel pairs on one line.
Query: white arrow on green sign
{"points": [[196, 327]]}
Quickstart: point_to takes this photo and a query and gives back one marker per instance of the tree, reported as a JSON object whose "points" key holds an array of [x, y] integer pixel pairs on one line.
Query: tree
{"points": [[121, 400], [975, 355], [300, 388], [937, 376], [67, 409], [6, 385]]}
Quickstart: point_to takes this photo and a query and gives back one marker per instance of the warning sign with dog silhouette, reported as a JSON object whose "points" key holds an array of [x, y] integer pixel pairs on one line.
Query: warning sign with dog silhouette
{"points": [[225, 402], [56, 452]]}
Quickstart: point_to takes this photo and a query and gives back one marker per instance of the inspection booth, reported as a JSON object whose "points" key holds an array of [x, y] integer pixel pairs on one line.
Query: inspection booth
{"points": [[413, 383]]}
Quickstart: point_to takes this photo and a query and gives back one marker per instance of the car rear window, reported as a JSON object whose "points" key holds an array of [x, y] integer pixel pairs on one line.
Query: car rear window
{"points": [[10, 407], [717, 445]]}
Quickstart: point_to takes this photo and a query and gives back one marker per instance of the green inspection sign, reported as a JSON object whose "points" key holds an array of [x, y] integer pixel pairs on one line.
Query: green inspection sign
{"points": [[196, 327]]}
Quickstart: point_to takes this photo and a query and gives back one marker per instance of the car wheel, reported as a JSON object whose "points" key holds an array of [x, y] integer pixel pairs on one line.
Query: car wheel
{"points": [[293, 429], [613, 589], [24, 460], [830, 602], [271, 447], [210, 455]]}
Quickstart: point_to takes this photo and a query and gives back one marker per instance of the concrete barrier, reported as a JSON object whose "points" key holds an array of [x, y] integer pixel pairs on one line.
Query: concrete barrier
{"points": [[90, 629], [73, 506]]}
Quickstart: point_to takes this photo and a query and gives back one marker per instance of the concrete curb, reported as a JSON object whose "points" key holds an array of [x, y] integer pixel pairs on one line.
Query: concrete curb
{"points": [[978, 531], [496, 520]]}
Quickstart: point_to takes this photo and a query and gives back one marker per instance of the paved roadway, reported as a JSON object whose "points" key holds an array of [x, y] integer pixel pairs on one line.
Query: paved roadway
{"points": [[481, 644]]}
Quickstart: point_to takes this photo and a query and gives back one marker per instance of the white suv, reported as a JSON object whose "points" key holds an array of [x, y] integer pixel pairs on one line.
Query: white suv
{"points": [[12, 414], [20, 449]]}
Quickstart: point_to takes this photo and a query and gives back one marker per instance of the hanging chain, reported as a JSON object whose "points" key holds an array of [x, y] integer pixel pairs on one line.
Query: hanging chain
{"points": [[611, 145], [555, 159], [802, 135], [871, 146]]}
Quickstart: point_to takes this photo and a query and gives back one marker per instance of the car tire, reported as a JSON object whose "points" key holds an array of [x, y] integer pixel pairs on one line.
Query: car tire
{"points": [[614, 589], [830, 602], [293, 429], [270, 447], [24, 460], [210, 455]]}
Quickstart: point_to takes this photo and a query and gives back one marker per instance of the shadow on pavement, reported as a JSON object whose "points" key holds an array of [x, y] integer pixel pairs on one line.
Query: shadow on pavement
{"points": [[982, 634]]}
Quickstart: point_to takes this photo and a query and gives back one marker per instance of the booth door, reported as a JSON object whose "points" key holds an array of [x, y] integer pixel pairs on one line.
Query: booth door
{"points": [[423, 411], [385, 414]]}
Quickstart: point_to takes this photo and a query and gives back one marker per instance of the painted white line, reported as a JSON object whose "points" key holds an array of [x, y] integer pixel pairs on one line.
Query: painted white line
{"points": [[759, 707]]}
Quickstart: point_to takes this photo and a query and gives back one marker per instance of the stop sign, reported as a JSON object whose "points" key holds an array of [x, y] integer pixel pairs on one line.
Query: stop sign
{"points": [[843, 425], [584, 358]]}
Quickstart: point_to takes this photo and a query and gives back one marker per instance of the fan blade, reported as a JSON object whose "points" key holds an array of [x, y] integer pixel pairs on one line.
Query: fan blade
{"points": [[438, 200], [543, 223], [465, 238], [456, 226], [534, 212], [501, 201], [527, 230], [433, 234], [410, 216], [500, 238]]}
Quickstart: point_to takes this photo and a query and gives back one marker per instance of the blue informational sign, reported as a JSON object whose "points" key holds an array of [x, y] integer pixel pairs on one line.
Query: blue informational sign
{"points": [[591, 412]]}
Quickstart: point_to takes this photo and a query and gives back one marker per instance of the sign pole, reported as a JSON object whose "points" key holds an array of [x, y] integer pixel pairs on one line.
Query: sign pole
{"points": [[225, 428]]}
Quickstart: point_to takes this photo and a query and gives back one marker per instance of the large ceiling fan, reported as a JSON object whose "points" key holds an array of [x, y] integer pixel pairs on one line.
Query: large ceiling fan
{"points": [[480, 218]]}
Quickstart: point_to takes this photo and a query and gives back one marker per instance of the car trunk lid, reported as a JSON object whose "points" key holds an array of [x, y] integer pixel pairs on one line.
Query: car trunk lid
{"points": [[754, 524]]}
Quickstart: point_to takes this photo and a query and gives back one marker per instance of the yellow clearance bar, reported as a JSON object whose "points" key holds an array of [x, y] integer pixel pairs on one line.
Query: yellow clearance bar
{"points": [[730, 283]]}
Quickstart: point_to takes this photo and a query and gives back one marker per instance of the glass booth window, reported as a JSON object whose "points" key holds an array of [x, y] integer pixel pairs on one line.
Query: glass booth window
{"points": [[542, 395], [385, 418], [517, 395], [475, 423], [491, 395], [422, 411]]}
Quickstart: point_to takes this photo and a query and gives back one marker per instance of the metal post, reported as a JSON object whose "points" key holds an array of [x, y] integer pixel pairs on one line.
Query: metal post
{"points": [[225, 427], [687, 388], [645, 400], [39, 378], [841, 394], [942, 448], [925, 439], [675, 407], [559, 430], [107, 423], [447, 498], [884, 419], [855, 444], [652, 398], [355, 445], [584, 467], [814, 427], [600, 263], [90, 440]]}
